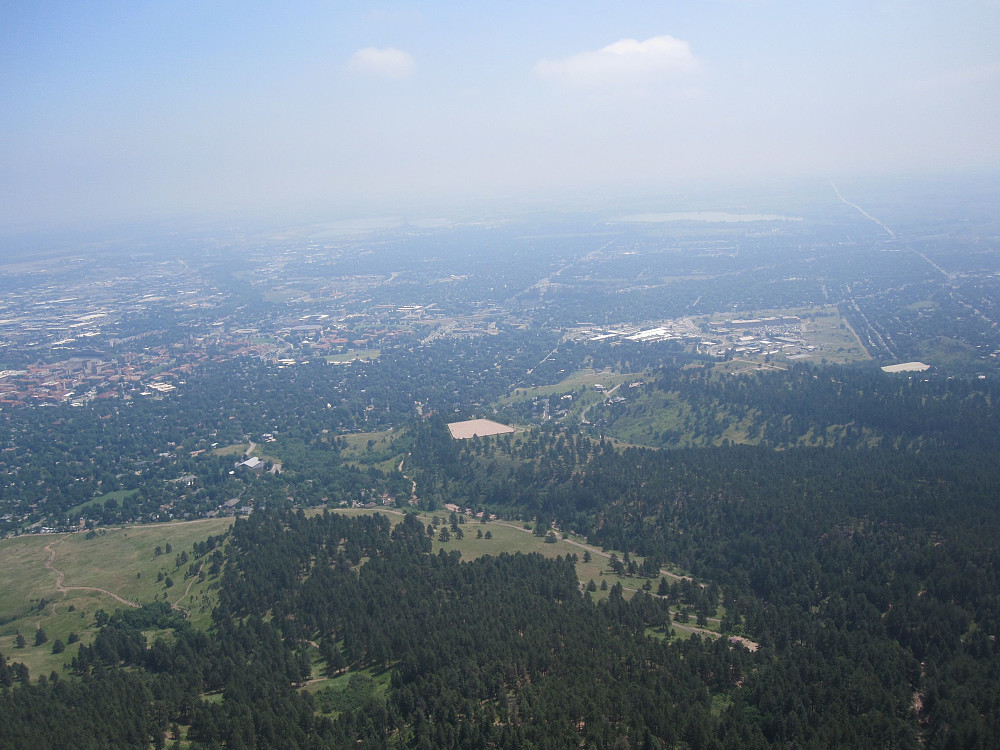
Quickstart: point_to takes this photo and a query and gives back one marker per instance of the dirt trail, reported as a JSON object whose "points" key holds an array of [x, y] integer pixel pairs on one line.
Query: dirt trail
{"points": [[693, 629], [744, 641], [177, 602], [413, 492], [750, 645], [61, 576], [602, 553], [759, 365]]}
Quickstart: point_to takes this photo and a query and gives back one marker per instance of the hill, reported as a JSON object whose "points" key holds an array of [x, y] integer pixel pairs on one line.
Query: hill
{"points": [[57, 582]]}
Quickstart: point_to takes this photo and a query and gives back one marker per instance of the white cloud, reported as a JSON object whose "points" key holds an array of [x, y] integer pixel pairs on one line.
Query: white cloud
{"points": [[626, 59], [388, 62]]}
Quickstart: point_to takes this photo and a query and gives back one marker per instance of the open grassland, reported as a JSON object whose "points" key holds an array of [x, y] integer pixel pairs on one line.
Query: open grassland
{"points": [[112, 561], [950, 353], [506, 537], [231, 450], [363, 355], [664, 413], [81, 509], [360, 444], [378, 449], [58, 582], [580, 385], [512, 537], [117, 561], [586, 379]]}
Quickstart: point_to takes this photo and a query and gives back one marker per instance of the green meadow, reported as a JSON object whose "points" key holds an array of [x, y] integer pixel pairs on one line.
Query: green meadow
{"points": [[117, 560], [122, 561]]}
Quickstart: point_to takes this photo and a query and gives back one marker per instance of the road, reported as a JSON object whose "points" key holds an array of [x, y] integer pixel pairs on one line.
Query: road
{"points": [[583, 414], [875, 339], [892, 234], [543, 284], [545, 359], [864, 213]]}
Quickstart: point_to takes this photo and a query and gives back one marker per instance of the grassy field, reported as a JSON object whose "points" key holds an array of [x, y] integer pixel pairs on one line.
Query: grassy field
{"points": [[364, 355], [835, 338], [120, 560], [512, 537], [118, 495], [574, 382], [947, 352], [231, 450], [358, 442], [583, 379], [505, 538], [378, 449]]}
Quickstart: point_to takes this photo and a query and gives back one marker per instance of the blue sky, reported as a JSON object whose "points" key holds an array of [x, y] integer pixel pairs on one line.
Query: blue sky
{"points": [[130, 110]]}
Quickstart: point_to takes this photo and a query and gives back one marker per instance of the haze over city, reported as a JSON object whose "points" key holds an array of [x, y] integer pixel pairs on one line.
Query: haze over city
{"points": [[119, 111], [451, 376]]}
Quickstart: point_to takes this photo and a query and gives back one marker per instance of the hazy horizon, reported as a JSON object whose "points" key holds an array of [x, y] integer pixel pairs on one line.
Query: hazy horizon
{"points": [[115, 113]]}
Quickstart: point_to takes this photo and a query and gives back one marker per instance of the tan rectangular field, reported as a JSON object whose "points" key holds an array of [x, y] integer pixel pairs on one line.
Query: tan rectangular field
{"points": [[481, 427]]}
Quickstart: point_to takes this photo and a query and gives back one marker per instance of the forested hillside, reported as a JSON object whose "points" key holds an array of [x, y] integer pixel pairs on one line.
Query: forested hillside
{"points": [[869, 578], [691, 406], [873, 568], [439, 376], [843, 519], [500, 652]]}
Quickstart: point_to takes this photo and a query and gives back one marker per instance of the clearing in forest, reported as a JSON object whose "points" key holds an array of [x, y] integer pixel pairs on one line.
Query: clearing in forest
{"points": [[477, 427], [57, 582]]}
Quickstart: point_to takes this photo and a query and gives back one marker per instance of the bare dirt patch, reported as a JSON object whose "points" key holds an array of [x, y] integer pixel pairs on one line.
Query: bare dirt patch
{"points": [[481, 427]]}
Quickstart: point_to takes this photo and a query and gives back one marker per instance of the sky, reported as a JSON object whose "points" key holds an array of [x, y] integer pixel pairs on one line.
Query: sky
{"points": [[113, 111]]}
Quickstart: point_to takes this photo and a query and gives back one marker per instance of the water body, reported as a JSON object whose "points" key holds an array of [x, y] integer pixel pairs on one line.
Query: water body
{"points": [[706, 216]]}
